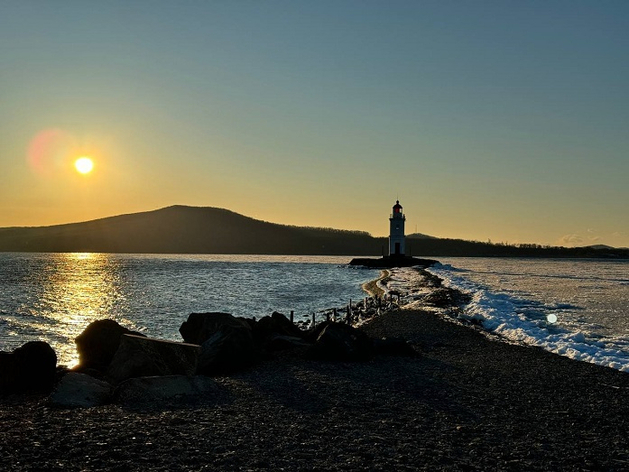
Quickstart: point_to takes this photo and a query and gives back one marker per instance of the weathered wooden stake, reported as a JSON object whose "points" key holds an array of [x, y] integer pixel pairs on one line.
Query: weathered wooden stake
{"points": [[292, 316]]}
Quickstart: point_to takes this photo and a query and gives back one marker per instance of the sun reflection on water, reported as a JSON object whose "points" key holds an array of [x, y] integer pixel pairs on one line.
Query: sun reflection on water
{"points": [[77, 288], [53, 297]]}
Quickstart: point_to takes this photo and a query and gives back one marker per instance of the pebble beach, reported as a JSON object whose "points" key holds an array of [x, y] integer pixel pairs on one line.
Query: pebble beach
{"points": [[466, 402]]}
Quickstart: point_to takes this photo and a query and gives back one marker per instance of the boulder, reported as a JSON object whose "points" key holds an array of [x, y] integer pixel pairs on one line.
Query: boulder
{"points": [[77, 390], [315, 331], [31, 367], [444, 297], [98, 343], [227, 343], [8, 372], [230, 348], [142, 391], [341, 342], [277, 333], [199, 327], [139, 356], [276, 324], [280, 342]]}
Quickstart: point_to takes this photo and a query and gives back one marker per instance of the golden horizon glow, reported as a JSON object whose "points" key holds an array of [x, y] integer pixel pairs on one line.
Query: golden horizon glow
{"points": [[84, 165]]}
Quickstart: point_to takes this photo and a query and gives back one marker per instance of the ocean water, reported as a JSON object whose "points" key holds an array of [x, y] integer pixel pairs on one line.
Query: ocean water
{"points": [[53, 297], [575, 308]]}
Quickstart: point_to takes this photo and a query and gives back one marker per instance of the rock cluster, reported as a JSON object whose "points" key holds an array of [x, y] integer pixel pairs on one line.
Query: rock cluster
{"points": [[468, 404], [120, 365]]}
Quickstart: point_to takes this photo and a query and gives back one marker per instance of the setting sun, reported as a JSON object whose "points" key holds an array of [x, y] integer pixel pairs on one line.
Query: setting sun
{"points": [[84, 165]]}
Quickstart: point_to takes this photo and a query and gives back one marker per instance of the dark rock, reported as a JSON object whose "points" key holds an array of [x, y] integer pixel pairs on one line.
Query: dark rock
{"points": [[140, 356], [31, 367], [393, 261], [277, 333], [77, 390], [251, 322], [228, 348], [38, 365], [313, 333], [276, 324], [431, 280], [394, 347], [150, 390], [446, 297], [201, 326], [341, 342], [98, 343], [280, 342], [8, 372]]}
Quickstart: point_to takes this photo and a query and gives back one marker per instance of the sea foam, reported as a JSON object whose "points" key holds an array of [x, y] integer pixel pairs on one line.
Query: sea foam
{"points": [[506, 315], [525, 320]]}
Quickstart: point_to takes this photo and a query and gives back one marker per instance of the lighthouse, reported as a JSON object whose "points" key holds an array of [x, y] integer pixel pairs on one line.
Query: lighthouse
{"points": [[396, 231]]}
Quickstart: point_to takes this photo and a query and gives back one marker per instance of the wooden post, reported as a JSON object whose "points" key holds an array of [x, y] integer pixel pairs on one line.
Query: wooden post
{"points": [[314, 322], [348, 315], [334, 314], [292, 316]]}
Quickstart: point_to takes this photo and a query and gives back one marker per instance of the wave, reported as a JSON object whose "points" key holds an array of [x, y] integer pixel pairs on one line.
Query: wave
{"points": [[526, 321]]}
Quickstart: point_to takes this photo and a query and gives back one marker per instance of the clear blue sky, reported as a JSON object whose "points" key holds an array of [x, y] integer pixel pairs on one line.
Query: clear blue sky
{"points": [[498, 120]]}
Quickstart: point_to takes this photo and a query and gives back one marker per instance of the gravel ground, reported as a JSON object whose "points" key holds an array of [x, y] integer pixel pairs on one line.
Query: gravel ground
{"points": [[466, 403]]}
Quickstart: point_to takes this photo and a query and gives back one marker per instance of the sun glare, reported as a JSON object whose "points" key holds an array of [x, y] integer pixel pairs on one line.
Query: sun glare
{"points": [[84, 165]]}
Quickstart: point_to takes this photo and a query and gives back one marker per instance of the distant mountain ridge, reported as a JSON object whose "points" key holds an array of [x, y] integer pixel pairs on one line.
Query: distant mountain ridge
{"points": [[184, 229], [207, 230]]}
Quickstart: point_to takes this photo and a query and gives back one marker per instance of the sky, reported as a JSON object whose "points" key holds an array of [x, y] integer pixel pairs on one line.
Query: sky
{"points": [[489, 120]]}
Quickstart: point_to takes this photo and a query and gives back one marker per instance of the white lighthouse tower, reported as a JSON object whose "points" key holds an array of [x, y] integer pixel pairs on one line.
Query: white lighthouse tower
{"points": [[396, 232]]}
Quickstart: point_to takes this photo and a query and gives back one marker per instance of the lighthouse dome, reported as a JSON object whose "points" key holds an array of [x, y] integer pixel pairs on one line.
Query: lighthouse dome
{"points": [[397, 208]]}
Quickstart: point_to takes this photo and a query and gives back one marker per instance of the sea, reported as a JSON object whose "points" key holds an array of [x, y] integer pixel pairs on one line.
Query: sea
{"points": [[53, 297], [578, 308], [572, 307]]}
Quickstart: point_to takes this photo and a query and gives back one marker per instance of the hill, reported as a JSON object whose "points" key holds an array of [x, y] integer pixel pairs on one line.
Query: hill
{"points": [[205, 230], [183, 229]]}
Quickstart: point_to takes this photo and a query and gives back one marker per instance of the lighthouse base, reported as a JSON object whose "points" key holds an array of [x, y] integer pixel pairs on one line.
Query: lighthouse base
{"points": [[388, 262]]}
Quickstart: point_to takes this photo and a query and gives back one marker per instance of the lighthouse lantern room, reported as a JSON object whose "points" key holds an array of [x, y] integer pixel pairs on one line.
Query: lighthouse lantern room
{"points": [[396, 232]]}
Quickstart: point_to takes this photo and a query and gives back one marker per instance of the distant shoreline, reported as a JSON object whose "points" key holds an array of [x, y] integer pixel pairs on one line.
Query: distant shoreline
{"points": [[205, 230], [349, 256]]}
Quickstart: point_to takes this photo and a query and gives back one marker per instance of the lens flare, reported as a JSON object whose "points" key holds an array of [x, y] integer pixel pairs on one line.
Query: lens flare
{"points": [[49, 149]]}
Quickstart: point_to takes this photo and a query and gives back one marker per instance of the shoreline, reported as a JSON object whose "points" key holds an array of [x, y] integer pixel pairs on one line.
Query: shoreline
{"points": [[466, 403], [500, 318], [373, 288]]}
